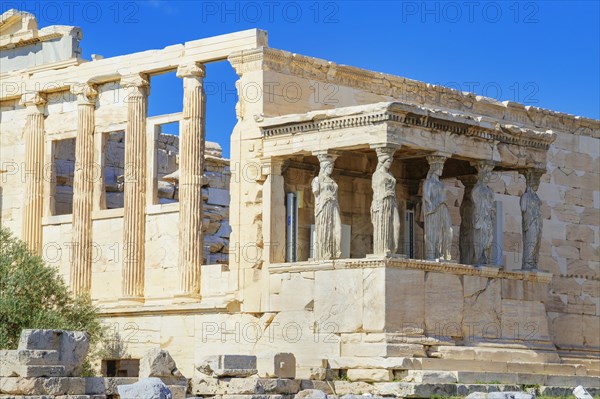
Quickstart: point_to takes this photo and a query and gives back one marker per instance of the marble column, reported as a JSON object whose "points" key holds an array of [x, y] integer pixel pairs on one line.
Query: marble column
{"points": [[34, 171], [483, 214], [274, 212], [465, 239], [328, 225], [531, 211], [83, 184], [191, 169], [436, 216], [384, 207], [136, 88]]}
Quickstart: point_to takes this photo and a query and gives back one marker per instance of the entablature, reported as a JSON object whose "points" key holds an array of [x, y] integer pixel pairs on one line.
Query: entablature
{"points": [[107, 70], [397, 123]]}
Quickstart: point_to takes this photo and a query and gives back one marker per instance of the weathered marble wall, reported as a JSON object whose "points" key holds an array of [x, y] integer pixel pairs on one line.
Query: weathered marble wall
{"points": [[569, 191], [249, 295]]}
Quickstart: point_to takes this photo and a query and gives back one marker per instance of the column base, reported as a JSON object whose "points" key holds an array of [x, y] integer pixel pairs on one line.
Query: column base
{"points": [[185, 297], [131, 300]]}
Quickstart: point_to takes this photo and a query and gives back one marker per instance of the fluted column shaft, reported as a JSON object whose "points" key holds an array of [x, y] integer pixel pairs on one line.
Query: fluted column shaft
{"points": [[191, 169], [83, 184], [34, 169], [134, 220]]}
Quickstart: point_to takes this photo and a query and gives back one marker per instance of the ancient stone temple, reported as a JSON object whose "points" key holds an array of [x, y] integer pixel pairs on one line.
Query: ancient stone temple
{"points": [[387, 229]]}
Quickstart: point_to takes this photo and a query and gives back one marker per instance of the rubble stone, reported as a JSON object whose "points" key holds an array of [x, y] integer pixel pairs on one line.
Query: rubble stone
{"points": [[147, 388]]}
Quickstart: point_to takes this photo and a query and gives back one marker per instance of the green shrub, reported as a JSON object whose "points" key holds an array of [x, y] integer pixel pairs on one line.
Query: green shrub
{"points": [[34, 295]]}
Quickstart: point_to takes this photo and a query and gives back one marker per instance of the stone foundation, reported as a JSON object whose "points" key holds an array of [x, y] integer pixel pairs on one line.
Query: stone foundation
{"points": [[47, 365]]}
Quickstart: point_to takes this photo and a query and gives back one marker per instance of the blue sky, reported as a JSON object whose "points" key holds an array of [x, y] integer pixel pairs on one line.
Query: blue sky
{"points": [[544, 53]]}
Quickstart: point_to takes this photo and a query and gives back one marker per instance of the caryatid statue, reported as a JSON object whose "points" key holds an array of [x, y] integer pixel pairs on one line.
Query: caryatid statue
{"points": [[532, 220], [384, 207], [483, 214], [328, 225], [438, 224]]}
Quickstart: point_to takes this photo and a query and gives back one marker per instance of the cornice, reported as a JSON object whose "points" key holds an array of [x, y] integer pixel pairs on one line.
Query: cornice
{"points": [[29, 37], [407, 115], [412, 264]]}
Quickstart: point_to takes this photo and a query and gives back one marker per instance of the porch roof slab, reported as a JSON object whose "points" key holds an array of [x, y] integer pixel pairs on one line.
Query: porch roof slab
{"points": [[396, 123]]}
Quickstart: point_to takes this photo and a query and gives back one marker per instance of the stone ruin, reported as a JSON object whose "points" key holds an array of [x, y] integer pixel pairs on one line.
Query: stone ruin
{"points": [[407, 296], [47, 365], [215, 193], [46, 353]]}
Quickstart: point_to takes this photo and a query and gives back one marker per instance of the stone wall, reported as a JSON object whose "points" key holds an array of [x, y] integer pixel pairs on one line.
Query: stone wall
{"points": [[24, 46], [569, 190], [242, 286], [48, 363], [162, 231]]}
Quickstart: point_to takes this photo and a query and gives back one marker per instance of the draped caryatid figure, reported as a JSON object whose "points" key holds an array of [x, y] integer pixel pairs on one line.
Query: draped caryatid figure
{"points": [[328, 225], [384, 208], [438, 225], [483, 214], [532, 220]]}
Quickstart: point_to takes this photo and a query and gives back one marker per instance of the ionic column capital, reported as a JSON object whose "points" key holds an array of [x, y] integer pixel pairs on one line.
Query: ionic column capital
{"points": [[193, 70], [135, 80], [86, 93], [34, 101], [137, 83]]}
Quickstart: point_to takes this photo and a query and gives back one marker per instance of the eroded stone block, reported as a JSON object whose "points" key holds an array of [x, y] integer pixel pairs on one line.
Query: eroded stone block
{"points": [[228, 365], [148, 388], [158, 363]]}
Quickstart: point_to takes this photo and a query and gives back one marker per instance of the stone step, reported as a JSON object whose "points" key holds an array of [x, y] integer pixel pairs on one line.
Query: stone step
{"points": [[592, 365], [41, 371], [474, 377], [499, 366], [439, 364], [38, 357], [482, 377], [403, 390], [455, 364], [381, 349], [374, 362], [40, 386], [206, 385], [493, 354]]}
